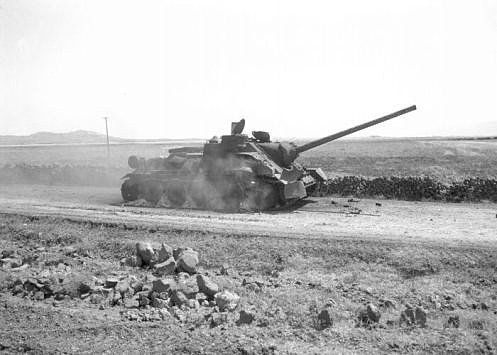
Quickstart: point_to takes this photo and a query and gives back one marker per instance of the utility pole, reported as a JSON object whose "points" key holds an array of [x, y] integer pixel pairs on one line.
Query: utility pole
{"points": [[107, 132]]}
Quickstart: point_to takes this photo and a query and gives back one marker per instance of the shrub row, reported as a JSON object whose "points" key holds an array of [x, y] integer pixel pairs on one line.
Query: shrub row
{"points": [[413, 188]]}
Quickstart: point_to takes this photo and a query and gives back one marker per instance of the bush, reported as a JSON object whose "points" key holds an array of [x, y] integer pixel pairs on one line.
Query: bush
{"points": [[414, 188]]}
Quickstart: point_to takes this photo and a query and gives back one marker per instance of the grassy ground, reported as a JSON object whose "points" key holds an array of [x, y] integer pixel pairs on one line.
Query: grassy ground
{"points": [[444, 160], [296, 278]]}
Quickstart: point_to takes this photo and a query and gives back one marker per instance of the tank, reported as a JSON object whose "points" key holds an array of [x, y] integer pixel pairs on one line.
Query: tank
{"points": [[236, 172]]}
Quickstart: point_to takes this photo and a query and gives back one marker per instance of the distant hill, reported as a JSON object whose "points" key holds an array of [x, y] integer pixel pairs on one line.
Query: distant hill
{"points": [[75, 137]]}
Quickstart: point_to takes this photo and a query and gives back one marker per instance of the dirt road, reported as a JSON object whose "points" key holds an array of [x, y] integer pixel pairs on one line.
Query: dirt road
{"points": [[459, 224]]}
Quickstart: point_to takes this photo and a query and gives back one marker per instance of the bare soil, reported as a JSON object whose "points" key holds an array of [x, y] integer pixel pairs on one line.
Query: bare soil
{"points": [[330, 253]]}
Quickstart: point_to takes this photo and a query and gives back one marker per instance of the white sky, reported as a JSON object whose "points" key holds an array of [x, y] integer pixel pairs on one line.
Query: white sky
{"points": [[183, 68]]}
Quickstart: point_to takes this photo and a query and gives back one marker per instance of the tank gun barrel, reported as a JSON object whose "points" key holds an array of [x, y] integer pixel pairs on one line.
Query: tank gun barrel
{"points": [[346, 132]]}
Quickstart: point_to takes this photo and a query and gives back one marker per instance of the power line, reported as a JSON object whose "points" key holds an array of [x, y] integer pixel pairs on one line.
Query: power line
{"points": [[107, 132]]}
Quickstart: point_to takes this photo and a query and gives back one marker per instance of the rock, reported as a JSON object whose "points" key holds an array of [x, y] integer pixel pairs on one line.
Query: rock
{"points": [[373, 313], [368, 315], [96, 298], [84, 287], [187, 261], [10, 263], [325, 319], [145, 252], [189, 287], [8, 253], [159, 303], [420, 316], [166, 267], [225, 270], [453, 321], [164, 285], [178, 298], [39, 296], [143, 299], [165, 253], [123, 287], [388, 303], [177, 252], [133, 261], [131, 303], [111, 282], [407, 316], [32, 284], [193, 304], [226, 300], [136, 285], [245, 317], [17, 289], [218, 318], [20, 268], [207, 286], [200, 296]]}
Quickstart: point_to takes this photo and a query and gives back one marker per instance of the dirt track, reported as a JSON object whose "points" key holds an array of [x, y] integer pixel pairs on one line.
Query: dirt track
{"points": [[321, 217]]}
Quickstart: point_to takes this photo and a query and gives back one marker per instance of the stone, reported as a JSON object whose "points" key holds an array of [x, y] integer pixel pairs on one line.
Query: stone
{"points": [[225, 270], [136, 285], [84, 287], [207, 286], [407, 316], [226, 301], [159, 303], [200, 296], [145, 252], [166, 267], [388, 303], [373, 313], [111, 282], [39, 296], [187, 261], [32, 284], [123, 287], [143, 300], [10, 263], [96, 298], [325, 319], [245, 317], [17, 289], [189, 287], [193, 304], [164, 285], [453, 321], [178, 298], [218, 318], [177, 252], [165, 252], [131, 303], [420, 316]]}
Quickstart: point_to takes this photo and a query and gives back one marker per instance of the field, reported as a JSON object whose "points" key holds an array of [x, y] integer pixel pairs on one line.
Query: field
{"points": [[337, 275], [444, 160]]}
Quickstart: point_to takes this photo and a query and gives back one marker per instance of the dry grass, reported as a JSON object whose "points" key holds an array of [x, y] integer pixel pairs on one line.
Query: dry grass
{"points": [[445, 281]]}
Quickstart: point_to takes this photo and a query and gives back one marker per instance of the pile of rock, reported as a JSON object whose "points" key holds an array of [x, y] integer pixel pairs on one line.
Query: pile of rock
{"points": [[164, 260], [10, 260], [172, 288]]}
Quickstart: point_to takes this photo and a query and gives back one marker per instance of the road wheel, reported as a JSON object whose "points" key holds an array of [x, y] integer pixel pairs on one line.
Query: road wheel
{"points": [[176, 194], [153, 191], [129, 191]]}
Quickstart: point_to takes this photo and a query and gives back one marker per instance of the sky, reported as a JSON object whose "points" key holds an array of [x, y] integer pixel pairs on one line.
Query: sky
{"points": [[184, 68]]}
